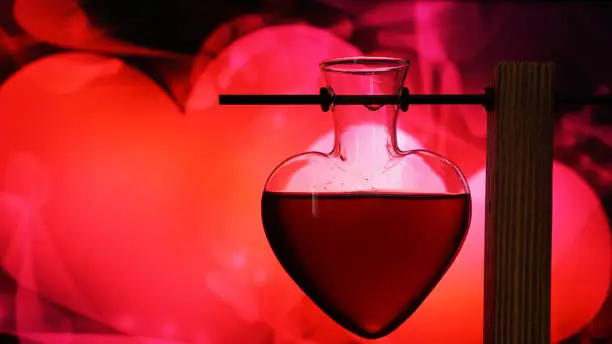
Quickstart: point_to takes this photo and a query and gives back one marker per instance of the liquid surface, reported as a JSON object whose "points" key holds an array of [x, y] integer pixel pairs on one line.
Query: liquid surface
{"points": [[368, 260]]}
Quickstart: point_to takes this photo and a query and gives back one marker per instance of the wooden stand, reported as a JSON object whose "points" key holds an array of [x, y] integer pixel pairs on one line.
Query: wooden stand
{"points": [[519, 205]]}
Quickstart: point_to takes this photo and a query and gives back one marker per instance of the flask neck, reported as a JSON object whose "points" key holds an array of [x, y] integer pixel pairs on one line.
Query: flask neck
{"points": [[363, 135]]}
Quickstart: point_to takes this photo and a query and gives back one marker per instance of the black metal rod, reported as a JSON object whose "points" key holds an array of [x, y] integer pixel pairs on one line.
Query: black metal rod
{"points": [[453, 99], [267, 99], [298, 99]]}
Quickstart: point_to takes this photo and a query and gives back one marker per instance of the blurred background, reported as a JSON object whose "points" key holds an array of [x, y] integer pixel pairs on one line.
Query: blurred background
{"points": [[129, 200]]}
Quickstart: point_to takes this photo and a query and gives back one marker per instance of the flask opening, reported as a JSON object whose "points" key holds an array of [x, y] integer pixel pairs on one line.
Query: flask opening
{"points": [[364, 65], [365, 76]]}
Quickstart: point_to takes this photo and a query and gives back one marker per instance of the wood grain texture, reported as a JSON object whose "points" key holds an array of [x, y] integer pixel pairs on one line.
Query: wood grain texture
{"points": [[518, 226]]}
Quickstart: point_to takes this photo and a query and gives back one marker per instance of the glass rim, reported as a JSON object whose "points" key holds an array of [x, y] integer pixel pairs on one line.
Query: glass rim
{"points": [[363, 64]]}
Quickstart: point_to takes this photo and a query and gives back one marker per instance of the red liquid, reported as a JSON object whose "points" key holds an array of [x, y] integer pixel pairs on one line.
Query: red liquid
{"points": [[368, 260]]}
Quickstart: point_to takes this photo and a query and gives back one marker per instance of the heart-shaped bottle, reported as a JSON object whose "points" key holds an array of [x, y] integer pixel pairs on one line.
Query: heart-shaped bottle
{"points": [[367, 230]]}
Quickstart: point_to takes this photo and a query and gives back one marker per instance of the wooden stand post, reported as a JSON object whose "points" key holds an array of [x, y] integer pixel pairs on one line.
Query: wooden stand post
{"points": [[519, 205]]}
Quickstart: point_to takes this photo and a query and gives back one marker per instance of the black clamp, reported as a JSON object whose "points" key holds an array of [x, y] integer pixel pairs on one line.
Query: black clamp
{"points": [[327, 98], [489, 99], [404, 99]]}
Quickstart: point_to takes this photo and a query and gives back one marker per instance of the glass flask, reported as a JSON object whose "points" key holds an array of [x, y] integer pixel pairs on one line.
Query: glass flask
{"points": [[366, 230]]}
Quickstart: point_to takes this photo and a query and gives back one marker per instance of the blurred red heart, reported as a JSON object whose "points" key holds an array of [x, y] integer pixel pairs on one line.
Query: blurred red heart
{"points": [[453, 312], [142, 217]]}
